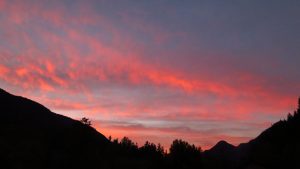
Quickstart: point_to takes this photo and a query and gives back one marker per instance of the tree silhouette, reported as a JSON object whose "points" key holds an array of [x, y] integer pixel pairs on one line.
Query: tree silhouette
{"points": [[289, 116], [160, 149], [299, 104], [86, 121], [151, 150], [184, 155], [126, 142], [128, 146], [148, 148]]}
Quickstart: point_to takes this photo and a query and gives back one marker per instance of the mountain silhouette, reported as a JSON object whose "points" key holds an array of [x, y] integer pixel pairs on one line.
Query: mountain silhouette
{"points": [[223, 153], [220, 147], [275, 148], [31, 136]]}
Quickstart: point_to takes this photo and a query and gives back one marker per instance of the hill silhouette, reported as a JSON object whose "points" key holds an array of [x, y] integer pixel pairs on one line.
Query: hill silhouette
{"points": [[222, 154], [31, 136], [220, 147], [275, 148]]}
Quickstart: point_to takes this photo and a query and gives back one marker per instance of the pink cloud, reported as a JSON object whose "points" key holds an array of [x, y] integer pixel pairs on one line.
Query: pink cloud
{"points": [[54, 53], [3, 71], [141, 134]]}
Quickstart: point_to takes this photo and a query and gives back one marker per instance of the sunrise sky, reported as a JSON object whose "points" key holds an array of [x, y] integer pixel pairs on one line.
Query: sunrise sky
{"points": [[202, 71]]}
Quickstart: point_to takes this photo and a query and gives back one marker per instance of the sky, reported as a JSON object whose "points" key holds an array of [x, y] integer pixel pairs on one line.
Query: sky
{"points": [[202, 71]]}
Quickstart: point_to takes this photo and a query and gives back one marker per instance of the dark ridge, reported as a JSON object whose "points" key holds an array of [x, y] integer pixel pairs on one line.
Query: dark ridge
{"points": [[31, 136], [3, 92], [222, 146], [275, 148], [222, 154]]}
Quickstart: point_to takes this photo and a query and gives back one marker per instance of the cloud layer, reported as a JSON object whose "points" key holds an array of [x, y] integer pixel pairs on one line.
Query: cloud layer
{"points": [[202, 71]]}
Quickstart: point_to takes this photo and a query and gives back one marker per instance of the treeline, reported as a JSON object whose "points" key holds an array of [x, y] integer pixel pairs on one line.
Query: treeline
{"points": [[260, 151], [181, 154]]}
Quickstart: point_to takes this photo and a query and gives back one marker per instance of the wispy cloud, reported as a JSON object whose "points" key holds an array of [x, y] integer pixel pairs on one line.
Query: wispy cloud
{"points": [[129, 62]]}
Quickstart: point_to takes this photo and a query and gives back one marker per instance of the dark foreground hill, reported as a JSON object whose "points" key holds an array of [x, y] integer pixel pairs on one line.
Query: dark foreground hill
{"points": [[31, 136]]}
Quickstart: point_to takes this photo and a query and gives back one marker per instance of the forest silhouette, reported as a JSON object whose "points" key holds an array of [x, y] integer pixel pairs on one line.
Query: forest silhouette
{"points": [[31, 136]]}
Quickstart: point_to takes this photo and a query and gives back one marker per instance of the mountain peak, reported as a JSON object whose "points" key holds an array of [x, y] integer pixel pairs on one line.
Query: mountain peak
{"points": [[223, 152], [222, 146], [222, 143]]}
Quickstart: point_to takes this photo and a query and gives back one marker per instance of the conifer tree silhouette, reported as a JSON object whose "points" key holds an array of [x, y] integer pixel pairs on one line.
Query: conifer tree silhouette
{"points": [[298, 104]]}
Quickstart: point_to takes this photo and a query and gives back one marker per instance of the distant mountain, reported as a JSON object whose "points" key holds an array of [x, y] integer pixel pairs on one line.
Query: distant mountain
{"points": [[276, 148], [221, 147], [222, 154]]}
